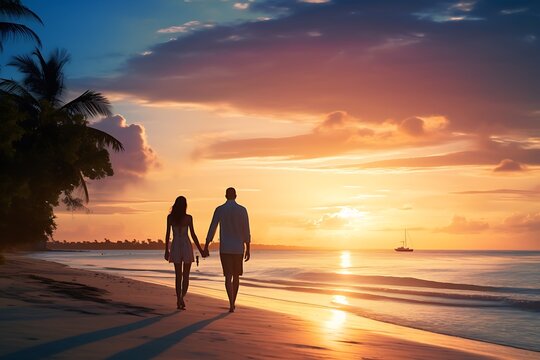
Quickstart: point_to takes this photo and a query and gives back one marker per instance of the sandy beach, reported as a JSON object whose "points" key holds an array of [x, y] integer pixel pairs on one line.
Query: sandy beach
{"points": [[49, 310]]}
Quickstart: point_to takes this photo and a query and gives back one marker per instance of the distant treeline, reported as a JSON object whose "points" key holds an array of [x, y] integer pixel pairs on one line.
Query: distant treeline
{"points": [[135, 244], [107, 244]]}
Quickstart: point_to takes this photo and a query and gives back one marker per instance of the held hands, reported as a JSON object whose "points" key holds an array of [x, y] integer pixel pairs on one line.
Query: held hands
{"points": [[205, 252]]}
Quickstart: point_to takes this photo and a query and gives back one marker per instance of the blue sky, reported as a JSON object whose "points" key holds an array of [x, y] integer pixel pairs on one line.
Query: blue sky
{"points": [[100, 35]]}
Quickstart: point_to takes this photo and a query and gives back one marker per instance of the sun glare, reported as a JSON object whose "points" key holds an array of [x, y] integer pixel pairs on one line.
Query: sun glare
{"points": [[340, 299], [351, 213], [337, 319], [345, 262], [345, 259]]}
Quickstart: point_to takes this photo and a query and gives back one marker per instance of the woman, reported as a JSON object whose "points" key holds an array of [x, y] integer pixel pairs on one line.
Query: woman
{"points": [[181, 251]]}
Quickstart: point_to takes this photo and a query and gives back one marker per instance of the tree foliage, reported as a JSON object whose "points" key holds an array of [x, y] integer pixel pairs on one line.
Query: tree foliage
{"points": [[13, 10], [47, 147]]}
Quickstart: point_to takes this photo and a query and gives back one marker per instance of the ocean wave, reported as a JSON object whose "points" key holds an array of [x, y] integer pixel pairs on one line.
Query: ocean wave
{"points": [[406, 282], [436, 293], [472, 301]]}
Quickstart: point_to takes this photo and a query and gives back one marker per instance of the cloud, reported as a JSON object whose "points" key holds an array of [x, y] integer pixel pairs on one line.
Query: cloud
{"points": [[461, 225], [186, 27], [513, 11], [483, 152], [336, 134], [444, 12], [522, 222], [509, 165], [241, 6], [374, 60], [412, 126], [131, 165], [343, 217], [512, 192]]}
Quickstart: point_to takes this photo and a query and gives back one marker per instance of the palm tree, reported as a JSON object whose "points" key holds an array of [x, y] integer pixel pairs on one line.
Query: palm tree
{"points": [[13, 9], [40, 95]]}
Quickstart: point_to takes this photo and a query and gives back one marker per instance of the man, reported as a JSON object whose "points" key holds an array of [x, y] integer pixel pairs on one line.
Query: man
{"points": [[234, 239]]}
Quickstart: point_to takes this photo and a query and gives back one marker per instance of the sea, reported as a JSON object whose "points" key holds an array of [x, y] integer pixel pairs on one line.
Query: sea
{"points": [[490, 296]]}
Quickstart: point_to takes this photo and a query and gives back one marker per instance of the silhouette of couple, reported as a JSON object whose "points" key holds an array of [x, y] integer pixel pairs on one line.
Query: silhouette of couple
{"points": [[234, 240]]}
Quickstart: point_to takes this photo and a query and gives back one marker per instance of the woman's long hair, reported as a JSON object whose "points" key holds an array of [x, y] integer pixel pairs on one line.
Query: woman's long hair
{"points": [[178, 210]]}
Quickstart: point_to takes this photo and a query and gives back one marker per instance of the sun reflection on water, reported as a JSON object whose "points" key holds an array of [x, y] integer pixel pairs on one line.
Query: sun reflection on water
{"points": [[337, 319], [340, 299], [345, 262]]}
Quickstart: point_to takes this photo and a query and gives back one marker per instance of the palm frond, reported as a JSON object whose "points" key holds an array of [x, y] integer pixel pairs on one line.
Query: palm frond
{"points": [[14, 9], [51, 83], [12, 88], [104, 139], [74, 203], [84, 187], [43, 77], [26, 65], [89, 104], [12, 30]]}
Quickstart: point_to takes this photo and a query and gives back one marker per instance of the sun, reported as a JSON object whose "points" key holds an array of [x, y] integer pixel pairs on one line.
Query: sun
{"points": [[350, 213]]}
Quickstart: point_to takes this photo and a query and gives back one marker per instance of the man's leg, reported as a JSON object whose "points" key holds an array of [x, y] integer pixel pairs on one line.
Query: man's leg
{"points": [[230, 294], [235, 286]]}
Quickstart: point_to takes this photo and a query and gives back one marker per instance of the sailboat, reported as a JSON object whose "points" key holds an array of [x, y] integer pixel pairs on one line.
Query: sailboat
{"points": [[404, 246]]}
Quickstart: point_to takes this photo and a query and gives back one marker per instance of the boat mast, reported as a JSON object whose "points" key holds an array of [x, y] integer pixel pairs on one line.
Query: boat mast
{"points": [[405, 241]]}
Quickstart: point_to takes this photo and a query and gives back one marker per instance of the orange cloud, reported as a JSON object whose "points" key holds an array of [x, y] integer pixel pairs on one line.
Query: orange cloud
{"points": [[338, 133], [484, 152], [509, 165], [412, 126], [506, 194], [522, 222], [461, 225]]}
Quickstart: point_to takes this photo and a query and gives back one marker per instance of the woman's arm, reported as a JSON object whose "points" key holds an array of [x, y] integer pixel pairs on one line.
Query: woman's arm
{"points": [[167, 236], [193, 235]]}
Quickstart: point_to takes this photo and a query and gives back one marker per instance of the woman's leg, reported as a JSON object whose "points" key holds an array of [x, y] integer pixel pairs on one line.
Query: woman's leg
{"points": [[178, 283], [185, 278]]}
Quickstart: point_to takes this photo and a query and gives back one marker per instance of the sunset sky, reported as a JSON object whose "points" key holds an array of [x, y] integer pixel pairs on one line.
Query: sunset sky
{"points": [[340, 123]]}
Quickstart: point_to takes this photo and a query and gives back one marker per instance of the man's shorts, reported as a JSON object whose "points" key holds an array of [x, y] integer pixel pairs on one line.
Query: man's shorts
{"points": [[232, 264]]}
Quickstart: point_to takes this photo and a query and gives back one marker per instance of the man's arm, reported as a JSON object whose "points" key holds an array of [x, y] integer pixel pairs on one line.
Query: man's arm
{"points": [[211, 230], [247, 237], [247, 253]]}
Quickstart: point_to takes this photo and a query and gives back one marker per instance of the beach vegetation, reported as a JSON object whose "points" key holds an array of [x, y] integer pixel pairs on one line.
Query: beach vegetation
{"points": [[11, 12], [48, 148]]}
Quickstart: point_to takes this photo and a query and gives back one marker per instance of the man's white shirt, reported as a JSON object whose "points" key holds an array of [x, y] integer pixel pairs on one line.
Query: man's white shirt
{"points": [[233, 227]]}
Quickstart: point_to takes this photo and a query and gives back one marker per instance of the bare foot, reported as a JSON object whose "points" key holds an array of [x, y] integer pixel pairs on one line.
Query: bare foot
{"points": [[231, 309], [183, 304]]}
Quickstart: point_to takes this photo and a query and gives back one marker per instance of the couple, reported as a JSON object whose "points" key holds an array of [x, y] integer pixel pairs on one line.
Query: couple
{"points": [[233, 234]]}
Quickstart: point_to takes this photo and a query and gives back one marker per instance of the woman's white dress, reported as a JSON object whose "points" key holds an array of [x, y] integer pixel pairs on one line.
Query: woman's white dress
{"points": [[181, 248]]}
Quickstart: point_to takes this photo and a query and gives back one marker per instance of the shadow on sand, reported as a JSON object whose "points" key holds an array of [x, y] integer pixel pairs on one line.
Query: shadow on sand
{"points": [[155, 347], [61, 345]]}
